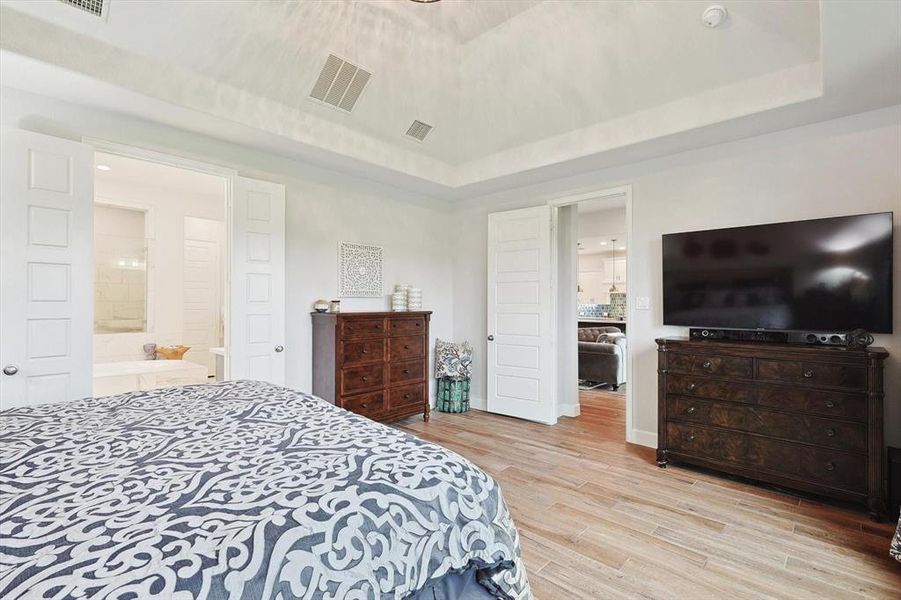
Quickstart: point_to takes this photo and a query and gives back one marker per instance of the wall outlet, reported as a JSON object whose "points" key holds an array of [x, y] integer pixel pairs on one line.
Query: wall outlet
{"points": [[642, 303]]}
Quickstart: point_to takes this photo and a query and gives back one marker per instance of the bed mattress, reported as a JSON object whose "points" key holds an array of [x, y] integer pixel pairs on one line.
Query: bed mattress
{"points": [[240, 490]]}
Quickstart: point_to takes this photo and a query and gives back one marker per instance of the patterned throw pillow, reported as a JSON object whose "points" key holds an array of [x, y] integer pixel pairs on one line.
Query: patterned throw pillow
{"points": [[453, 360]]}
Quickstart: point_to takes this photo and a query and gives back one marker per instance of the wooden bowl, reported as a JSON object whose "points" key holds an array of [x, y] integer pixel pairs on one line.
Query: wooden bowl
{"points": [[172, 352]]}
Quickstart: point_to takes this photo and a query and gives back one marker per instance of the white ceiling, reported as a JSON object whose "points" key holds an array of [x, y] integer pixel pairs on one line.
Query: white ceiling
{"points": [[512, 87], [124, 171]]}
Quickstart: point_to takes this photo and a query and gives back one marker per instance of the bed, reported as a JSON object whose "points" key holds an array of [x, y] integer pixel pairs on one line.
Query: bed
{"points": [[242, 490], [895, 548]]}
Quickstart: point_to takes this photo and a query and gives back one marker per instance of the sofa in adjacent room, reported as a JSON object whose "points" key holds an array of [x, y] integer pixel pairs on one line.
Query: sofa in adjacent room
{"points": [[602, 355]]}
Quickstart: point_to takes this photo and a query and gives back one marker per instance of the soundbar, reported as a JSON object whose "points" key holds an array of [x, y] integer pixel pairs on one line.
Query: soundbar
{"points": [[753, 335]]}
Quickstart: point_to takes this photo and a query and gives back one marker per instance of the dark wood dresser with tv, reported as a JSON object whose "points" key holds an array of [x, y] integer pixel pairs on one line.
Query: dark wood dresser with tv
{"points": [[373, 363], [799, 416]]}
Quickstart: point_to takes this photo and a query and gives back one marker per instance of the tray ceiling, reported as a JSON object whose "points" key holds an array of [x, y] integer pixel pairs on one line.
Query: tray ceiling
{"points": [[507, 85]]}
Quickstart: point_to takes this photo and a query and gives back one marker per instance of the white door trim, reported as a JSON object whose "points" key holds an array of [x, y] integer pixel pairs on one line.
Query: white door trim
{"points": [[173, 160], [570, 404]]}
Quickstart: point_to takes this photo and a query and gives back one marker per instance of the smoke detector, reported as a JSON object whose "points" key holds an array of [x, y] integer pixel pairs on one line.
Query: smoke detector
{"points": [[714, 16]]}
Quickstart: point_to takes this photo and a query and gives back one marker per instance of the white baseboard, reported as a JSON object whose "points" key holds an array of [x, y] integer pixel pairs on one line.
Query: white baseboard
{"points": [[477, 403], [568, 410], [643, 438]]}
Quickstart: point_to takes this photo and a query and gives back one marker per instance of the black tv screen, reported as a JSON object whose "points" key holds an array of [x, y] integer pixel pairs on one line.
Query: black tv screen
{"points": [[820, 275]]}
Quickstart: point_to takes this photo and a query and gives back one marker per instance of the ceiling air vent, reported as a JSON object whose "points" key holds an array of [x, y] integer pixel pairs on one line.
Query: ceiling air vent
{"points": [[95, 7], [340, 83], [418, 130]]}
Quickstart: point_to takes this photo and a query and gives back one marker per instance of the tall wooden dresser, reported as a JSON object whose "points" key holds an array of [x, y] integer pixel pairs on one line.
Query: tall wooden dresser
{"points": [[795, 415], [373, 363]]}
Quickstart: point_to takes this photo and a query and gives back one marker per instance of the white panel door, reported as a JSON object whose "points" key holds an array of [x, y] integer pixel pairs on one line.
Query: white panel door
{"points": [[257, 282], [202, 275], [46, 269], [520, 345]]}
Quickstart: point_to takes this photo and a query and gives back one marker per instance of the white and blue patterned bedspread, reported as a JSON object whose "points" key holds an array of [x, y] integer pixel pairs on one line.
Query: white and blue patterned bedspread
{"points": [[238, 490]]}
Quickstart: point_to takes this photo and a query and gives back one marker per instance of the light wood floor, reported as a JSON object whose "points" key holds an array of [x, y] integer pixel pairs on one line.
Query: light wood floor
{"points": [[599, 520]]}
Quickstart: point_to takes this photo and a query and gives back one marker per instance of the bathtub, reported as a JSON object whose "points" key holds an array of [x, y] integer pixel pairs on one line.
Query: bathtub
{"points": [[119, 377]]}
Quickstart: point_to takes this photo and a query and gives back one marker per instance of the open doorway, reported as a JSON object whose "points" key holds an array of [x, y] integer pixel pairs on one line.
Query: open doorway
{"points": [[160, 275], [601, 294], [593, 307]]}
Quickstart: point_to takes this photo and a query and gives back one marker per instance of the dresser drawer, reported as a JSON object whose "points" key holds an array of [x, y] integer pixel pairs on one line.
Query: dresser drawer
{"points": [[819, 466], [363, 351], [810, 373], [702, 387], [400, 348], [362, 378], [764, 421], [365, 404], [361, 328], [410, 396], [709, 364], [404, 372], [825, 403], [406, 326]]}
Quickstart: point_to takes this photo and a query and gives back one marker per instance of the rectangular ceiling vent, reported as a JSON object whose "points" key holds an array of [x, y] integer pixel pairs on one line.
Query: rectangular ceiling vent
{"points": [[418, 130], [340, 83], [95, 7]]}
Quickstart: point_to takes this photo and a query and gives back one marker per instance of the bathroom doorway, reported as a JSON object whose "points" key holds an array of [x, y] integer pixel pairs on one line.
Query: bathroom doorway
{"points": [[160, 275]]}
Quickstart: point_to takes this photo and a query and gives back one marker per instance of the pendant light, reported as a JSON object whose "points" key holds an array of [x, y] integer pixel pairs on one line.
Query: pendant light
{"points": [[613, 285]]}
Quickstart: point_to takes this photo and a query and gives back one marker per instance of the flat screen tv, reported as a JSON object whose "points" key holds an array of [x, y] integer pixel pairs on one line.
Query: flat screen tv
{"points": [[824, 275]]}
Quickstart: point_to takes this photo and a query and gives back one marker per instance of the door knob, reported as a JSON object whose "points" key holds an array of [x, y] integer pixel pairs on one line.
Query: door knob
{"points": [[279, 348], [490, 338], [10, 370]]}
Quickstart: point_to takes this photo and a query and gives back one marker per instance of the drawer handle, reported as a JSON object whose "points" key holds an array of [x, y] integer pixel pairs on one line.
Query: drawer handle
{"points": [[691, 438], [406, 346], [830, 466], [830, 432], [363, 405], [691, 387], [707, 364], [406, 396], [830, 404], [365, 350], [418, 324], [364, 378], [690, 410], [406, 371], [807, 374]]}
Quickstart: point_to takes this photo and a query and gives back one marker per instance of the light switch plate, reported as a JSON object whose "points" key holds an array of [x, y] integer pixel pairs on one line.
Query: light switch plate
{"points": [[642, 303]]}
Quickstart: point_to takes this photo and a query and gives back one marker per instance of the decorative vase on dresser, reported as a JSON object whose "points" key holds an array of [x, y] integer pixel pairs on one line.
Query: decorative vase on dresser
{"points": [[373, 363], [799, 416]]}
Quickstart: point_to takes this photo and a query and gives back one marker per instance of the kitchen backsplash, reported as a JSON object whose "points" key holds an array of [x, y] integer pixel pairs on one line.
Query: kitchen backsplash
{"points": [[616, 309]]}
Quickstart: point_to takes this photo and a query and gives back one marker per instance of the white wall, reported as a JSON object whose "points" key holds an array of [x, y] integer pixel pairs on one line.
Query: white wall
{"points": [[845, 166], [166, 212], [840, 167], [603, 223], [323, 208]]}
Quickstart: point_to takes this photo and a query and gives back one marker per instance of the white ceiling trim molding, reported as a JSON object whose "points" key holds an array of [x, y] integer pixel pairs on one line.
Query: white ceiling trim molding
{"points": [[752, 96]]}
